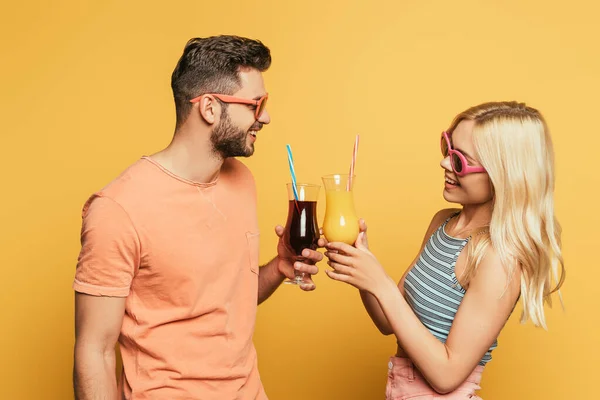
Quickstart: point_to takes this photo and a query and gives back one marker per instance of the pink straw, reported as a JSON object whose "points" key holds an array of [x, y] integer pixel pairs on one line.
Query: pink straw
{"points": [[354, 154]]}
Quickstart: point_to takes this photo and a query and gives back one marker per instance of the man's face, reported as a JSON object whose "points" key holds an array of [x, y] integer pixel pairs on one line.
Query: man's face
{"points": [[236, 132]]}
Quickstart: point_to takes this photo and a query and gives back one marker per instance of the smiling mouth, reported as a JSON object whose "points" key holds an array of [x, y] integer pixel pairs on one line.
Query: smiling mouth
{"points": [[451, 182]]}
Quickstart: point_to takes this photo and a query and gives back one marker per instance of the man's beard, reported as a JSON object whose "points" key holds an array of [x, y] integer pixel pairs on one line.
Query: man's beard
{"points": [[230, 141]]}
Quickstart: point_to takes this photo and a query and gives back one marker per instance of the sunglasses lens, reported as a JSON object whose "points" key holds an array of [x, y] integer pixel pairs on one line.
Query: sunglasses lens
{"points": [[444, 146], [457, 163], [261, 108]]}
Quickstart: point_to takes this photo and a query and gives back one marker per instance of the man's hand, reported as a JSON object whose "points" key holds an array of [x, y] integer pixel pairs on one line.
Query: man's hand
{"points": [[289, 266]]}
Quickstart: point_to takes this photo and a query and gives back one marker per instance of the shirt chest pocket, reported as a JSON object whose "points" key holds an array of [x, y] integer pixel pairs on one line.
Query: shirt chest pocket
{"points": [[253, 241]]}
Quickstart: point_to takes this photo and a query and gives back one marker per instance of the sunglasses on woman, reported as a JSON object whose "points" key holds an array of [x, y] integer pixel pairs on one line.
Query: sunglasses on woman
{"points": [[459, 163]]}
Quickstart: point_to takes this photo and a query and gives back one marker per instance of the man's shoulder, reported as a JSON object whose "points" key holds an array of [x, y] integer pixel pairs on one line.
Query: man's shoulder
{"points": [[131, 179], [132, 184]]}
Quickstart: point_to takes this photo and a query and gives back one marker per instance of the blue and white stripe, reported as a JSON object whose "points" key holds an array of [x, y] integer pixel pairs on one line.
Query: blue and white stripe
{"points": [[431, 287]]}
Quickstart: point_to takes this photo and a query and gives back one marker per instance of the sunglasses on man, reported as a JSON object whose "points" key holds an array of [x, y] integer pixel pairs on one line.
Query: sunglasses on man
{"points": [[260, 103]]}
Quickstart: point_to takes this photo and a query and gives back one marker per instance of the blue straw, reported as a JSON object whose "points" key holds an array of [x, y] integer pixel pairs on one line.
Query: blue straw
{"points": [[292, 172]]}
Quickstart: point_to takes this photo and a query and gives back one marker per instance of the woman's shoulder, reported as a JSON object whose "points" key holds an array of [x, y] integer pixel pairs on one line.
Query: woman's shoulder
{"points": [[442, 216], [439, 218]]}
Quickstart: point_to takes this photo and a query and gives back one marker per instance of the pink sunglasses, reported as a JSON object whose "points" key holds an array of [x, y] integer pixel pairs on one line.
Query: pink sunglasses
{"points": [[457, 159], [260, 104]]}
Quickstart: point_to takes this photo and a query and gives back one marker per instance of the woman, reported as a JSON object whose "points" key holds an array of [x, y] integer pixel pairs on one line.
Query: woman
{"points": [[475, 262]]}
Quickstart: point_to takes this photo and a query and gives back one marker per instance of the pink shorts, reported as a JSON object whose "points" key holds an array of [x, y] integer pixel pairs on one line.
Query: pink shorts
{"points": [[406, 382]]}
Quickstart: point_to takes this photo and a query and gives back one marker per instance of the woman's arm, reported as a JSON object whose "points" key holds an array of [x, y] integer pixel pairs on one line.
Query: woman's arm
{"points": [[483, 312], [369, 301]]}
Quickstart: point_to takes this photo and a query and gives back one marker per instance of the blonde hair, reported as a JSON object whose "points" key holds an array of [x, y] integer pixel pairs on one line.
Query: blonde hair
{"points": [[513, 144]]}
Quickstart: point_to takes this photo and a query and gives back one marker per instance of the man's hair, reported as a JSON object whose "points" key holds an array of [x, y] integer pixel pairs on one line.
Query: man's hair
{"points": [[211, 65]]}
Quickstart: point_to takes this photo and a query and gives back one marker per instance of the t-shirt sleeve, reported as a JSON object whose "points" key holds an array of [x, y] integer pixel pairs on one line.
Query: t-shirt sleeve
{"points": [[110, 250]]}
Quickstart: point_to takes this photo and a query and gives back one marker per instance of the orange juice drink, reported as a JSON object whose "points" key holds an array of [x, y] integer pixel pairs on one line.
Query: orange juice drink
{"points": [[341, 222]]}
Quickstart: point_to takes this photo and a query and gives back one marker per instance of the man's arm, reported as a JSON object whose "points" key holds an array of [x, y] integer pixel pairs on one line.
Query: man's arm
{"points": [[97, 325], [109, 258], [269, 279]]}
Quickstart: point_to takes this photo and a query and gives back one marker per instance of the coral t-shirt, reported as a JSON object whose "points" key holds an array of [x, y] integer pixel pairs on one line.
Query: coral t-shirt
{"points": [[185, 256]]}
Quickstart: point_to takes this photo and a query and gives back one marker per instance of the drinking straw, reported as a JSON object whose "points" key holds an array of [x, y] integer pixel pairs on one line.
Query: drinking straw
{"points": [[292, 171], [353, 163]]}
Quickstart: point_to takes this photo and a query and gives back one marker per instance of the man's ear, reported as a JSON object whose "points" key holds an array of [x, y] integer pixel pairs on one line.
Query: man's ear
{"points": [[209, 109]]}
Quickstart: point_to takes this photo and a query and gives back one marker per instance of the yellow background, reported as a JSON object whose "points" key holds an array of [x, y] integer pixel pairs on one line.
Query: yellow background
{"points": [[85, 92]]}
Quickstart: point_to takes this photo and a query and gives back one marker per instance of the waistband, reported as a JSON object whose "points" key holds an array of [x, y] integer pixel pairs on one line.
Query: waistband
{"points": [[405, 367]]}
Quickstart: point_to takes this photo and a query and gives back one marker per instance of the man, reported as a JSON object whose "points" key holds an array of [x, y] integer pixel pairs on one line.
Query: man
{"points": [[169, 257]]}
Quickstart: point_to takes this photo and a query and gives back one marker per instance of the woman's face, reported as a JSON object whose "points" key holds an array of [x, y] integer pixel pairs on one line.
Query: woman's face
{"points": [[471, 189]]}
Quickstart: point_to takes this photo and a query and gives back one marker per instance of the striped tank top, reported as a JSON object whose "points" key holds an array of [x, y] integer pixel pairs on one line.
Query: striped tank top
{"points": [[431, 287]]}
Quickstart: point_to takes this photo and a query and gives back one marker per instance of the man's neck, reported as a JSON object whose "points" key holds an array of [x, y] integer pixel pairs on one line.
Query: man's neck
{"points": [[191, 158]]}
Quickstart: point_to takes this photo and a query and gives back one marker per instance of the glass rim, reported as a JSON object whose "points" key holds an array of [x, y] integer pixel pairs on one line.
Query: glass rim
{"points": [[304, 184], [334, 175]]}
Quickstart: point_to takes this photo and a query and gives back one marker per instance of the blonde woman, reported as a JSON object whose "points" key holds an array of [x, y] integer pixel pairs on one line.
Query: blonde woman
{"points": [[475, 262]]}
